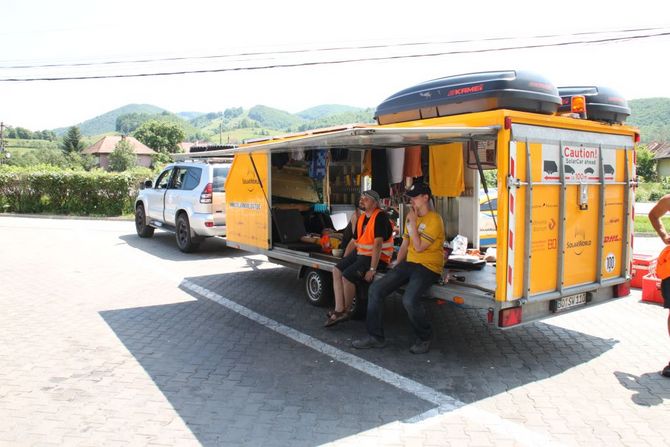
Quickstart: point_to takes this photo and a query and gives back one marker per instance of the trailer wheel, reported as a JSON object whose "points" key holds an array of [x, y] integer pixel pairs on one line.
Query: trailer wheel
{"points": [[319, 287], [359, 307]]}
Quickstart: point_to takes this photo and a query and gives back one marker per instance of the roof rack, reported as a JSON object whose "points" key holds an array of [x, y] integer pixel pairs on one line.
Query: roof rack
{"points": [[201, 153], [210, 147], [210, 160]]}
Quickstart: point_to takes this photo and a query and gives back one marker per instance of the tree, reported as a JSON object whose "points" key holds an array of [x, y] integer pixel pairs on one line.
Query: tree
{"points": [[646, 165], [131, 121], [232, 112], [161, 136], [72, 141], [122, 157], [23, 133], [47, 135]]}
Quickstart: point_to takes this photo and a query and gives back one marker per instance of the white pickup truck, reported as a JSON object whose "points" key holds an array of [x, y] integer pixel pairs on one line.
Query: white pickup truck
{"points": [[186, 198]]}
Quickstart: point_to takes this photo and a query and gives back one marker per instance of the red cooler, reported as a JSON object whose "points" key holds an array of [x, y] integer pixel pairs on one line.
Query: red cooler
{"points": [[651, 289], [641, 267]]}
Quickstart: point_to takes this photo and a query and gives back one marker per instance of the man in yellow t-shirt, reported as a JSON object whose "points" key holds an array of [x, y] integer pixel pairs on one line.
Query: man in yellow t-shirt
{"points": [[419, 265]]}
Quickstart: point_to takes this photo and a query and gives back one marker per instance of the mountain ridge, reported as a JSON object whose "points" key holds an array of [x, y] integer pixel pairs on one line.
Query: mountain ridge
{"points": [[650, 115]]}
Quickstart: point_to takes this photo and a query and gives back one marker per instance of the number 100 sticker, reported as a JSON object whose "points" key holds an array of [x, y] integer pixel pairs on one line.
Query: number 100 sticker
{"points": [[610, 262]]}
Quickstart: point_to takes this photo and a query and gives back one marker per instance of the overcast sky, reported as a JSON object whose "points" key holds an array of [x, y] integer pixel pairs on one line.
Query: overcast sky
{"points": [[61, 33]]}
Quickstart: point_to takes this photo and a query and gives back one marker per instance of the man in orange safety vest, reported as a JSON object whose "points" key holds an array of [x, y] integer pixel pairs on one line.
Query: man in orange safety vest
{"points": [[370, 249]]}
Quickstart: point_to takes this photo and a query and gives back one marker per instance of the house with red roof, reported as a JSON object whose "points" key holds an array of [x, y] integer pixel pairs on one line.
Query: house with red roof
{"points": [[106, 145]]}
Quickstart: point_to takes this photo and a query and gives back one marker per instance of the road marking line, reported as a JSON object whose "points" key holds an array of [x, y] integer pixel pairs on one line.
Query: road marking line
{"points": [[444, 402]]}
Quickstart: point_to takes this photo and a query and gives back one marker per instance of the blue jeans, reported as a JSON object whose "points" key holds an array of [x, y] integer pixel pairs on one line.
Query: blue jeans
{"points": [[418, 279]]}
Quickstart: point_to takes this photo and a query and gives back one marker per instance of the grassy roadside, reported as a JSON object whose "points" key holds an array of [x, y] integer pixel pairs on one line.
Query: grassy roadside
{"points": [[642, 224]]}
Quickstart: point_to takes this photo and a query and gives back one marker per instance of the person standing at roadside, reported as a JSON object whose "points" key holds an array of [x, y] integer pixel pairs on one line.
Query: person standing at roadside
{"points": [[419, 265], [369, 250], [662, 207]]}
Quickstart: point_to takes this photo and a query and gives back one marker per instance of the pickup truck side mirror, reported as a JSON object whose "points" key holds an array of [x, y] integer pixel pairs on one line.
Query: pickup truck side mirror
{"points": [[147, 184]]}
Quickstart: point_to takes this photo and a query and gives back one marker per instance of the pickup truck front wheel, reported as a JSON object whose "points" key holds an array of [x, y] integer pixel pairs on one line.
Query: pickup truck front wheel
{"points": [[143, 230], [185, 241]]}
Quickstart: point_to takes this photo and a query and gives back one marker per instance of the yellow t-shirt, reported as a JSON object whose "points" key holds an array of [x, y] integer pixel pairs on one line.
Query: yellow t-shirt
{"points": [[431, 229]]}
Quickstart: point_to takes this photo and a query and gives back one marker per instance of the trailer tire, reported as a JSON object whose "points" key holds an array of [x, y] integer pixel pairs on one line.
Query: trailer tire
{"points": [[143, 230], [318, 287]]}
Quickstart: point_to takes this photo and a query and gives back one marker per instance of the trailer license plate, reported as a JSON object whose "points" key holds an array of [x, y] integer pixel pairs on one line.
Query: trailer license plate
{"points": [[567, 302]]}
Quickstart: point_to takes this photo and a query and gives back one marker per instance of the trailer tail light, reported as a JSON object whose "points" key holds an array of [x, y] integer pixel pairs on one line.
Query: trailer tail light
{"points": [[508, 122], [509, 317], [206, 194], [209, 224], [578, 105], [637, 137]]}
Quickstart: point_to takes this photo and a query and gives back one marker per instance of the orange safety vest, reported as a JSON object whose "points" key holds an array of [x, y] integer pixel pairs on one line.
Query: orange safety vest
{"points": [[663, 264], [366, 239]]}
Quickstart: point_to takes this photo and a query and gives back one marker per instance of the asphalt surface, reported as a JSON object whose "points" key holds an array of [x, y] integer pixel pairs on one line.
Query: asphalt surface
{"points": [[109, 339]]}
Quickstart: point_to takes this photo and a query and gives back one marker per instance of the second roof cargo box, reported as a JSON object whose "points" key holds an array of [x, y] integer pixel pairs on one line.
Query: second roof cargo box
{"points": [[602, 103], [474, 92]]}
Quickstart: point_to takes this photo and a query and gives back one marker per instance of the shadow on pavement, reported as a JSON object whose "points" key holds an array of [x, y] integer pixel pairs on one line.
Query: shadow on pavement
{"points": [[650, 388], [234, 381], [164, 246]]}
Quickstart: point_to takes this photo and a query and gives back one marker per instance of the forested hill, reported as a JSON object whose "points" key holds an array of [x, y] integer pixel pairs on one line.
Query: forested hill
{"points": [[237, 122], [107, 122], [652, 117]]}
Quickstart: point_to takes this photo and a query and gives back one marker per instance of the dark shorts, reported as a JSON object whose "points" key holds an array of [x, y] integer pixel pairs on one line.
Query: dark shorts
{"points": [[354, 267], [665, 291]]}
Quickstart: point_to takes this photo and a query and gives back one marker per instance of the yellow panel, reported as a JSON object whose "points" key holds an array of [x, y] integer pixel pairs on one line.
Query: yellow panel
{"points": [[544, 237], [614, 238], [247, 213], [581, 237]]}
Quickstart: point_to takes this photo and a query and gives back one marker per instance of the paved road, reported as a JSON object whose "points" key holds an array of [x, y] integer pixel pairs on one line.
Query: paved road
{"points": [[108, 339], [643, 208]]}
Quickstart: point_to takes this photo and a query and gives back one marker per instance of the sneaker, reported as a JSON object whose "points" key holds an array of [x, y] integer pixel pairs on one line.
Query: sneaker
{"points": [[666, 371], [368, 342], [420, 346]]}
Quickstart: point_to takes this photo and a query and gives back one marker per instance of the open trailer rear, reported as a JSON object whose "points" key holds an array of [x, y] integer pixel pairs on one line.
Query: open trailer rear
{"points": [[565, 189]]}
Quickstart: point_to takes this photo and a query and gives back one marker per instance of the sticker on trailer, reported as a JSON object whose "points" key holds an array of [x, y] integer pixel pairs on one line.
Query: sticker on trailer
{"points": [[610, 262], [580, 163]]}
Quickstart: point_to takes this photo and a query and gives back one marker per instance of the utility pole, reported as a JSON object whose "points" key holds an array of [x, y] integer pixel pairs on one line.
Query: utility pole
{"points": [[3, 155], [221, 131]]}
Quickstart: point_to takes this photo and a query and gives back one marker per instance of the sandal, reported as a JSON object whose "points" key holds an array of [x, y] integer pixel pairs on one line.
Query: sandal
{"points": [[336, 317]]}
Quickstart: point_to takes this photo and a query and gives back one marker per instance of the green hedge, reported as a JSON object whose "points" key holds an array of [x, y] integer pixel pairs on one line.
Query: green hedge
{"points": [[651, 192], [51, 190]]}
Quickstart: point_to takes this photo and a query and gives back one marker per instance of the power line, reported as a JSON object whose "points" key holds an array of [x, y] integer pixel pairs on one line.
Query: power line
{"points": [[320, 50], [338, 61]]}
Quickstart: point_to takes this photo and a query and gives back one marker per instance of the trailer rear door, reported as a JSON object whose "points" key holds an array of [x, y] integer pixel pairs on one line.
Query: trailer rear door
{"points": [[570, 213]]}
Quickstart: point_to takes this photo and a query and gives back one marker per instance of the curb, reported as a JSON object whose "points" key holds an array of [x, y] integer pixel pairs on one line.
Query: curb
{"points": [[64, 217]]}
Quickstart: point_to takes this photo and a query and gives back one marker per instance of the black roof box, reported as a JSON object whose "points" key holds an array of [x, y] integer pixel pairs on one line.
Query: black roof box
{"points": [[602, 103], [474, 92]]}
